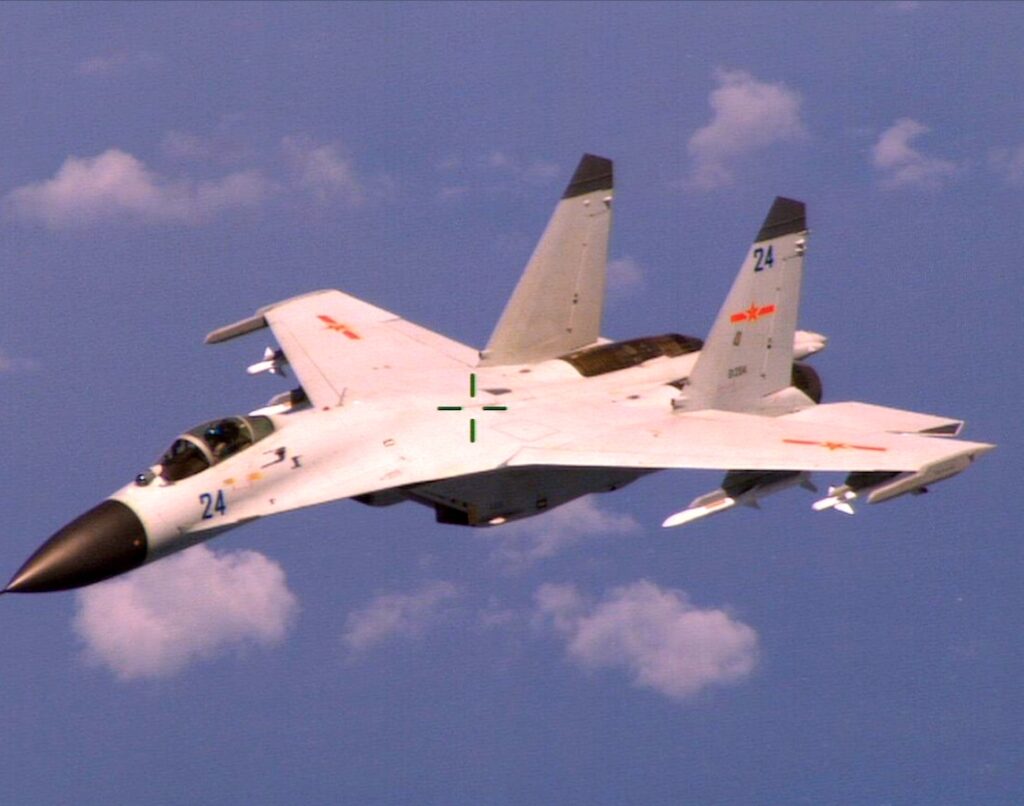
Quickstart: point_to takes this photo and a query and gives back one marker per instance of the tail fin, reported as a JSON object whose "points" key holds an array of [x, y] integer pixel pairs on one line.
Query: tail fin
{"points": [[749, 352], [556, 307]]}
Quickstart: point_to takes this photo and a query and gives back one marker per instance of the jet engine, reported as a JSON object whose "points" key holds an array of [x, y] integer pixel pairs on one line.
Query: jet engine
{"points": [[807, 380]]}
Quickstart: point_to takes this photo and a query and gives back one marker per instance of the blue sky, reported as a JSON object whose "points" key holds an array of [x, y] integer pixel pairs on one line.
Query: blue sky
{"points": [[166, 169]]}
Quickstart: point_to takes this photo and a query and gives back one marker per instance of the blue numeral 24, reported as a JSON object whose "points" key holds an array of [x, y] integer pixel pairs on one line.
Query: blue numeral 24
{"points": [[211, 504], [763, 260]]}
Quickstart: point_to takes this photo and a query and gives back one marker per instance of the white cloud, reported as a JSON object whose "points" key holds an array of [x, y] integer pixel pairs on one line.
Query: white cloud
{"points": [[901, 165], [522, 543], [498, 159], [540, 171], [117, 62], [222, 146], [194, 605], [452, 192], [657, 635], [495, 616], [532, 172], [9, 363], [116, 186], [748, 115], [322, 170], [186, 145], [1009, 164], [624, 275], [900, 6], [397, 615], [495, 172]]}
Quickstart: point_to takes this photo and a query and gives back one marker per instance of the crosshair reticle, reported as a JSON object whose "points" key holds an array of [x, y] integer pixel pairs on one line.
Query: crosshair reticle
{"points": [[472, 420]]}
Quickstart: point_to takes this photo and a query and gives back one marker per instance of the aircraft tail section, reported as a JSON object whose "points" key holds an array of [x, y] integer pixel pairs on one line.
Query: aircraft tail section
{"points": [[556, 307], [749, 351]]}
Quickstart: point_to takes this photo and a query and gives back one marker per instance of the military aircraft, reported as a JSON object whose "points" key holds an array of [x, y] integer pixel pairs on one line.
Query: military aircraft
{"points": [[387, 411]]}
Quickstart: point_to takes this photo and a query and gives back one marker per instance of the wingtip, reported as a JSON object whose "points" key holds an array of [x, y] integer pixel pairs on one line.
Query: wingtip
{"points": [[592, 173], [785, 216]]}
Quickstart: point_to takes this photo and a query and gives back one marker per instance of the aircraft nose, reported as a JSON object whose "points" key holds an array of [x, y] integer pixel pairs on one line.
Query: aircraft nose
{"points": [[107, 540]]}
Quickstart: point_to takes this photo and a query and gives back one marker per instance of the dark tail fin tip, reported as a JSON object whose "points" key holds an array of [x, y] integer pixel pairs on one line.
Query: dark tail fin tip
{"points": [[593, 173], [785, 217]]}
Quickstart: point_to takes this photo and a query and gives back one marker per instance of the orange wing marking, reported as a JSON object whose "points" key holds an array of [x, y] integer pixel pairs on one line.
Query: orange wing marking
{"points": [[835, 446], [338, 327], [753, 313]]}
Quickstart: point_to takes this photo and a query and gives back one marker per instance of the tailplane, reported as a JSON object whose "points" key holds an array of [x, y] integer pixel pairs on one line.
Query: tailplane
{"points": [[748, 354], [557, 305]]}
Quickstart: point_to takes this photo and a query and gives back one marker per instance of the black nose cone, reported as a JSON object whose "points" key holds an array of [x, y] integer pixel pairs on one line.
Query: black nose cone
{"points": [[105, 541]]}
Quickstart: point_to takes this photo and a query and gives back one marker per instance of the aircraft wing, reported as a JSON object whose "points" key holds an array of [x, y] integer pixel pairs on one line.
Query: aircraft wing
{"points": [[340, 347], [724, 440]]}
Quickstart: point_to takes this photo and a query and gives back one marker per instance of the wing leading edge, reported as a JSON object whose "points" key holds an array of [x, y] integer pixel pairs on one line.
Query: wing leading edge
{"points": [[338, 345]]}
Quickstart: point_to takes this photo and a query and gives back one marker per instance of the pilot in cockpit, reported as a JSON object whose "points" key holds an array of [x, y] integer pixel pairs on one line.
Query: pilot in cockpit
{"points": [[223, 438]]}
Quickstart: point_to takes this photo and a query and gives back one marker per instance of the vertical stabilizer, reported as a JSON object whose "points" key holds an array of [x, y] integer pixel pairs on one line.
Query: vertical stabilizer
{"points": [[557, 305], [749, 352]]}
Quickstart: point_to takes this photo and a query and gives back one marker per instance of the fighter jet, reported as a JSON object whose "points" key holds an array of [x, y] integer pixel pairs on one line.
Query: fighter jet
{"points": [[387, 412]]}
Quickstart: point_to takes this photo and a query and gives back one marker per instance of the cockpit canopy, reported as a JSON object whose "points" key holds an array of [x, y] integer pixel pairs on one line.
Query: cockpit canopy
{"points": [[207, 444]]}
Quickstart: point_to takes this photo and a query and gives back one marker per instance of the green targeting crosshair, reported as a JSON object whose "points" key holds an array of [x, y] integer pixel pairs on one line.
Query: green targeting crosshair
{"points": [[472, 420]]}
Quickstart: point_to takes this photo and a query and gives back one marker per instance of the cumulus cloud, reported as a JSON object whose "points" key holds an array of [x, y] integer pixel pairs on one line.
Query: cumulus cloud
{"points": [[117, 62], [226, 144], [1009, 164], [495, 172], [397, 615], [624, 275], [522, 543], [194, 605], [748, 115], [901, 165], [533, 171], [322, 170], [9, 363], [117, 186], [663, 641], [901, 6]]}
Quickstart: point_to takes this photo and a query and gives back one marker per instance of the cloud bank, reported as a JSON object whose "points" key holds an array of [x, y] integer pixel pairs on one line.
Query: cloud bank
{"points": [[192, 606], [657, 635], [9, 363], [322, 170], [115, 185], [118, 62], [748, 115], [625, 275], [900, 165], [494, 172], [1009, 164], [397, 615], [523, 543]]}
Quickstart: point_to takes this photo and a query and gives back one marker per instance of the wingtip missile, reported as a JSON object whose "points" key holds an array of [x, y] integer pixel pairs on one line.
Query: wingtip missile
{"points": [[878, 487]]}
